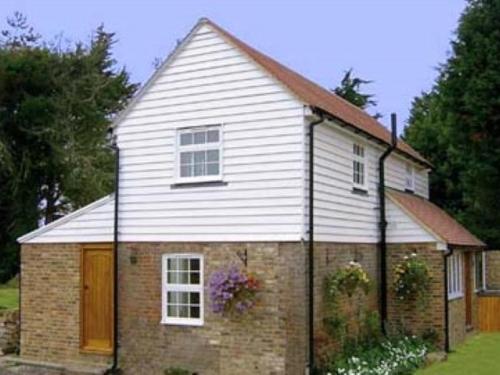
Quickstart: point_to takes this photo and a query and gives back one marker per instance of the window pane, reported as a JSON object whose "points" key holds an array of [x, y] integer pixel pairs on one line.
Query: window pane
{"points": [[199, 157], [195, 298], [200, 138], [213, 155], [195, 278], [212, 169], [213, 136], [199, 169], [183, 264], [195, 312], [186, 171], [172, 297], [172, 310], [186, 139], [195, 264], [186, 157], [183, 311], [183, 298]]}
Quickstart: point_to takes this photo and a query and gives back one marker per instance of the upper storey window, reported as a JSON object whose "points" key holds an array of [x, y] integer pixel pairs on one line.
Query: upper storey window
{"points": [[199, 154], [410, 177], [359, 167]]}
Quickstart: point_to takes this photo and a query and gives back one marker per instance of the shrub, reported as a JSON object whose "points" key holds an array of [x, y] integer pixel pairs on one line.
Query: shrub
{"points": [[412, 280]]}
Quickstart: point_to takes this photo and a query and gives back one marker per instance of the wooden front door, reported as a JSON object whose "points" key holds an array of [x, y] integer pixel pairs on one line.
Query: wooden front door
{"points": [[96, 318], [468, 288]]}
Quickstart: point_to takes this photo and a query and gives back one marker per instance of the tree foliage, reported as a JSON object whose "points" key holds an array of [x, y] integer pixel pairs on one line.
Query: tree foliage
{"points": [[457, 125], [350, 90], [56, 105]]}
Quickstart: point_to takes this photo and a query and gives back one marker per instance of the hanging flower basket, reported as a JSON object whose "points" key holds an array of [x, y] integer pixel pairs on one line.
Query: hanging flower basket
{"points": [[232, 291]]}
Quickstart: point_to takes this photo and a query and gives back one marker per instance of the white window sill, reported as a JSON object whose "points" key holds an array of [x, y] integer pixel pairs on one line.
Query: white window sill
{"points": [[182, 322], [452, 297]]}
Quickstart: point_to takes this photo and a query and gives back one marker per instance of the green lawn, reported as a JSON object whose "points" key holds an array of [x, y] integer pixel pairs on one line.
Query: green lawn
{"points": [[9, 295], [479, 355]]}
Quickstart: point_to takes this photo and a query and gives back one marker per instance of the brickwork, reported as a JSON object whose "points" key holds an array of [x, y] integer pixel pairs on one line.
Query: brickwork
{"points": [[50, 304], [412, 317], [256, 344], [9, 331], [493, 270], [272, 339]]}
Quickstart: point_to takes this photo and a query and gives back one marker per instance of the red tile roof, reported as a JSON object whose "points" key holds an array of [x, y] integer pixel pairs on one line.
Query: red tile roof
{"points": [[435, 219], [317, 96]]}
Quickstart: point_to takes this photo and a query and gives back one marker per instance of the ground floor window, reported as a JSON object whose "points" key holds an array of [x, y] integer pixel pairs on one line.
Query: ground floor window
{"points": [[479, 280], [455, 275], [182, 289]]}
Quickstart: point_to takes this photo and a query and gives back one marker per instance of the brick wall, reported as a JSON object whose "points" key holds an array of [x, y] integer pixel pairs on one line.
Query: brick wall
{"points": [[9, 331], [272, 339], [412, 317], [256, 344], [50, 304], [493, 270]]}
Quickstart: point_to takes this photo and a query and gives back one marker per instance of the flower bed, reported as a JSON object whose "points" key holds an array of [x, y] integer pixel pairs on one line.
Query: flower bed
{"points": [[391, 357]]}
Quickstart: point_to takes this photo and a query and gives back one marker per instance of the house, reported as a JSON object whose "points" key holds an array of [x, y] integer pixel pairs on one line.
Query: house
{"points": [[214, 170]]}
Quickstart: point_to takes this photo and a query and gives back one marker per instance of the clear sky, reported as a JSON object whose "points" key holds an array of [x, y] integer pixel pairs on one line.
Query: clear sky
{"points": [[396, 43]]}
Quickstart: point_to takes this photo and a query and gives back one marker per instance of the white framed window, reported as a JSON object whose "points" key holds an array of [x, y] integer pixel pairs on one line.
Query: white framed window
{"points": [[409, 177], [359, 167], [479, 271], [455, 276], [182, 289], [199, 154]]}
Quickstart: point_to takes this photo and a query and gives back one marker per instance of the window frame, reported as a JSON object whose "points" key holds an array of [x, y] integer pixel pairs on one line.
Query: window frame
{"points": [[455, 276], [363, 160], [201, 147], [409, 174], [166, 287], [483, 272]]}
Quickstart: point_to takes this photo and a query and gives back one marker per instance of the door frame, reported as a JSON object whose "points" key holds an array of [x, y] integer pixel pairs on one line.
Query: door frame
{"points": [[83, 248]]}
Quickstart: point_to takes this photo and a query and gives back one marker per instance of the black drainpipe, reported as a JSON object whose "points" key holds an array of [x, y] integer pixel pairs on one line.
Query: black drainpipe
{"points": [[312, 125], [446, 304], [114, 367], [383, 225]]}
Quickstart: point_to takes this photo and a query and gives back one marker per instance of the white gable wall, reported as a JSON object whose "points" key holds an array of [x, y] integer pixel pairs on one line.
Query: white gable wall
{"points": [[402, 228], [342, 215], [210, 82], [92, 223]]}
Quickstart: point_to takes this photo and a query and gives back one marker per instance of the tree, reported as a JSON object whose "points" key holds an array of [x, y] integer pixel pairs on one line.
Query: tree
{"points": [[349, 89], [457, 125], [56, 106]]}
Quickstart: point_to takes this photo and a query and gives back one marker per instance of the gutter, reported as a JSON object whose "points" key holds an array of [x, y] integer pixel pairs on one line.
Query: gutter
{"points": [[114, 367], [310, 258], [383, 225], [446, 303]]}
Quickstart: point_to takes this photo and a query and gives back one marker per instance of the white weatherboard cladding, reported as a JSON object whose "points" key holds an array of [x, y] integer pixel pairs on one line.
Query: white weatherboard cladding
{"points": [[402, 228], [265, 163], [209, 82], [93, 223], [342, 215]]}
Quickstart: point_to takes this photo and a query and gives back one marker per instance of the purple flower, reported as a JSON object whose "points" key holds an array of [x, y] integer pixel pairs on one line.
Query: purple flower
{"points": [[232, 290]]}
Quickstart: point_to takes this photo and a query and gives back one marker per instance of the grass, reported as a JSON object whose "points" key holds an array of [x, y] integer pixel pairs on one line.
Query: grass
{"points": [[477, 356], [9, 295]]}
